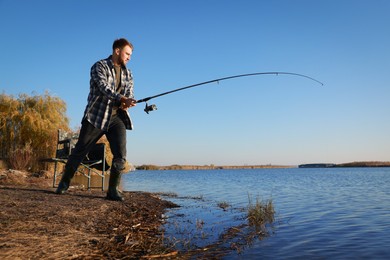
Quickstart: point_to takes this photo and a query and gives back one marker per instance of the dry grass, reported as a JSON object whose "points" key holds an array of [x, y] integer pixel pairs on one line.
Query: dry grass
{"points": [[36, 223], [260, 214]]}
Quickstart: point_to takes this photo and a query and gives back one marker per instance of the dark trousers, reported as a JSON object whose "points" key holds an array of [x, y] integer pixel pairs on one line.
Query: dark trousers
{"points": [[89, 135]]}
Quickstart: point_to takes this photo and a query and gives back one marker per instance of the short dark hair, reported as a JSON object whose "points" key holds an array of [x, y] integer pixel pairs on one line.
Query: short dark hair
{"points": [[120, 43]]}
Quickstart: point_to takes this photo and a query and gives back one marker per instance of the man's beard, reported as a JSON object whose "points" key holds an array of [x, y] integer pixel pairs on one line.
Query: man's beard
{"points": [[121, 61]]}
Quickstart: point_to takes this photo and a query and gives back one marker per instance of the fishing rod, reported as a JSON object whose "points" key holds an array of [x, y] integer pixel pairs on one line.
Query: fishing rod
{"points": [[149, 108]]}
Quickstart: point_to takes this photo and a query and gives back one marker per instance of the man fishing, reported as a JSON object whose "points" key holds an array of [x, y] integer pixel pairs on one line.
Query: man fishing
{"points": [[111, 94]]}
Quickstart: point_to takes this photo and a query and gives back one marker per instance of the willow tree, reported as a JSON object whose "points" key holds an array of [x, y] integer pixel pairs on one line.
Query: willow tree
{"points": [[28, 127]]}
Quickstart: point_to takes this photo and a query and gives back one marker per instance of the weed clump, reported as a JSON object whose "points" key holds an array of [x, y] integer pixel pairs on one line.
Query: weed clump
{"points": [[223, 205], [260, 214]]}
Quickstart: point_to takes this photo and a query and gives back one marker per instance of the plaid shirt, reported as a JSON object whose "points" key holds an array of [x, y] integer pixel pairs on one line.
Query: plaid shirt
{"points": [[103, 97]]}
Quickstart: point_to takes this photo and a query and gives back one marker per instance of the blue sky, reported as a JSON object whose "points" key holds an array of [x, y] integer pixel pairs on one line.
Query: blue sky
{"points": [[51, 45]]}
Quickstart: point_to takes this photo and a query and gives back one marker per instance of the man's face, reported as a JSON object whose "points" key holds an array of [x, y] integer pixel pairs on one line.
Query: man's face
{"points": [[124, 55]]}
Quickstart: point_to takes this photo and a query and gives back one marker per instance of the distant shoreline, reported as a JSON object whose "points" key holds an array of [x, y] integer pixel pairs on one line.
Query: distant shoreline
{"points": [[207, 167], [267, 166], [345, 165]]}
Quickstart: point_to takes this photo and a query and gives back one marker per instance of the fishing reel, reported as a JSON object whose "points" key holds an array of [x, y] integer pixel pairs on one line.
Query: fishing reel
{"points": [[149, 108]]}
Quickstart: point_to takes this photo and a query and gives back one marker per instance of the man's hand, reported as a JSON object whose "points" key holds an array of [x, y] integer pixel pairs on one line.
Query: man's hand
{"points": [[127, 102]]}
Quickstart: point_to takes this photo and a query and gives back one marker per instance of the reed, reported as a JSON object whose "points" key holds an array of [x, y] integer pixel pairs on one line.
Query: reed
{"points": [[223, 205], [260, 214]]}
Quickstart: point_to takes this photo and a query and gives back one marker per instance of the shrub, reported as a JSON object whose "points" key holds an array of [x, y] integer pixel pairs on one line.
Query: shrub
{"points": [[32, 120], [21, 158]]}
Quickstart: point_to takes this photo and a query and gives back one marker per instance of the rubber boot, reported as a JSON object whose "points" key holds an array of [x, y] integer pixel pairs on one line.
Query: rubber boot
{"points": [[113, 193], [65, 181]]}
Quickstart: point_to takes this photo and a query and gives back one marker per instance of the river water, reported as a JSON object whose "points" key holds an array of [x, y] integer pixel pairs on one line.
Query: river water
{"points": [[322, 213]]}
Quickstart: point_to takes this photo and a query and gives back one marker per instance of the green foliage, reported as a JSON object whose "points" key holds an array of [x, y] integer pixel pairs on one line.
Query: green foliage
{"points": [[28, 128]]}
